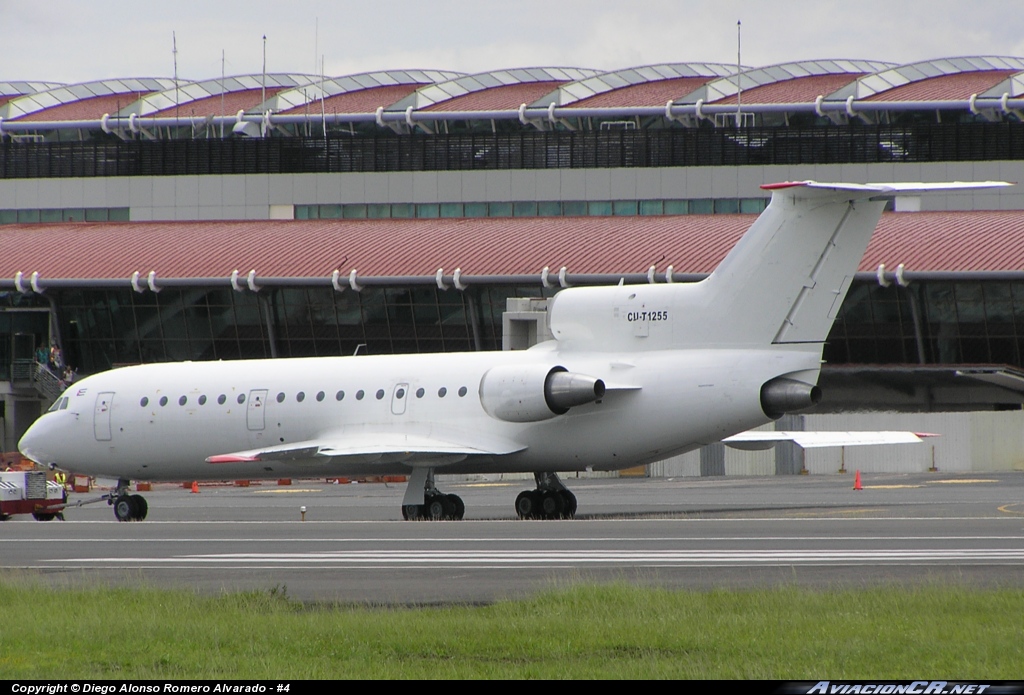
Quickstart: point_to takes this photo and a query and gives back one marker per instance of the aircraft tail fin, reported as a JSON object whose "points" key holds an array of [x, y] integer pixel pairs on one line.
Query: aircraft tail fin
{"points": [[782, 284], [785, 280]]}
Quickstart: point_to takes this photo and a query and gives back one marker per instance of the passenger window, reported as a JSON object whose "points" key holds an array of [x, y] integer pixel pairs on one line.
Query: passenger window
{"points": [[144, 402], [380, 394], [182, 400], [241, 398], [163, 401], [463, 391], [280, 397], [340, 395], [220, 399], [300, 396], [320, 396], [359, 395], [202, 400], [441, 392], [400, 393], [420, 392]]}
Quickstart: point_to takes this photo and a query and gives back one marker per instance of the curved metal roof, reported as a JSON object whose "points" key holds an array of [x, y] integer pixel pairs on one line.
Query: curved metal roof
{"points": [[451, 90], [13, 90], [888, 80], [191, 93], [993, 85], [793, 75], [72, 95], [923, 242], [329, 88], [570, 94]]}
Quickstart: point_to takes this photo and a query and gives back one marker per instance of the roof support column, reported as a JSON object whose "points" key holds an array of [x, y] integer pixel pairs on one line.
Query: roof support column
{"points": [[472, 308], [915, 316], [267, 309]]}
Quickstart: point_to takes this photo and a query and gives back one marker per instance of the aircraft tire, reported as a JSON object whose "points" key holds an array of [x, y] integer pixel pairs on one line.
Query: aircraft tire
{"points": [[458, 507], [43, 516], [552, 504], [141, 507], [124, 508], [4, 517], [528, 504], [438, 507], [412, 512], [569, 510]]}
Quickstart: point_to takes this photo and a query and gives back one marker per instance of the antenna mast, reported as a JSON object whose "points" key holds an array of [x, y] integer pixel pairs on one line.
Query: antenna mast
{"points": [[739, 86], [174, 54]]}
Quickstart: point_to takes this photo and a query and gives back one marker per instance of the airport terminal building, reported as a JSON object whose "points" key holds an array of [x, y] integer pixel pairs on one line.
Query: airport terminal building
{"points": [[148, 219]]}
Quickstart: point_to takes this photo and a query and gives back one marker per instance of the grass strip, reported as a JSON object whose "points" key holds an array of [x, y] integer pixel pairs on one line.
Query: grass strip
{"points": [[584, 631]]}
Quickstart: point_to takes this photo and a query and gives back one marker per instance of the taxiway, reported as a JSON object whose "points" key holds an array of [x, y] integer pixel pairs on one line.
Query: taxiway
{"points": [[694, 533]]}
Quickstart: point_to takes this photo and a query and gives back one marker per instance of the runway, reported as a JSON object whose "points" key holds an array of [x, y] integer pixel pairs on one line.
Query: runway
{"points": [[694, 533]]}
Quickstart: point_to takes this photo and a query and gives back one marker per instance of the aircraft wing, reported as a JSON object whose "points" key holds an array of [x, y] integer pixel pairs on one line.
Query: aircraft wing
{"points": [[756, 440], [368, 447]]}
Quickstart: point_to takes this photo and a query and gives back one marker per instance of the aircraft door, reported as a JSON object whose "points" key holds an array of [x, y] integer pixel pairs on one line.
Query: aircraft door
{"points": [[254, 417], [398, 399], [101, 416]]}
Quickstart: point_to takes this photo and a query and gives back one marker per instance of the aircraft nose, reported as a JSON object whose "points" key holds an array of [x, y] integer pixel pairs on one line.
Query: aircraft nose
{"points": [[39, 443]]}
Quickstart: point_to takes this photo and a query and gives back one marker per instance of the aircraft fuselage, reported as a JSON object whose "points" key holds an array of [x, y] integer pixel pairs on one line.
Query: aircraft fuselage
{"points": [[162, 421]]}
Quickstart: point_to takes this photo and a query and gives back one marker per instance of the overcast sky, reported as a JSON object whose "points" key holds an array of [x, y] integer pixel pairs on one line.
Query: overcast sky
{"points": [[76, 41]]}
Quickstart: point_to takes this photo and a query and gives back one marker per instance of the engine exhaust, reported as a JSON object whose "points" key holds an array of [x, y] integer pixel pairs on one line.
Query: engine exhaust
{"points": [[781, 395]]}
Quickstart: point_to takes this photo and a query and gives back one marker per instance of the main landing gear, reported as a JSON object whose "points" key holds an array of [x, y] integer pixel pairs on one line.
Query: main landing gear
{"points": [[424, 501], [127, 507], [551, 499]]}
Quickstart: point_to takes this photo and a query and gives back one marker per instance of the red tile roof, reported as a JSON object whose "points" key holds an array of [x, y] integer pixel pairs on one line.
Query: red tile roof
{"points": [[645, 93], [211, 106], [945, 87], [504, 97], [796, 90], [85, 109], [925, 241], [361, 101]]}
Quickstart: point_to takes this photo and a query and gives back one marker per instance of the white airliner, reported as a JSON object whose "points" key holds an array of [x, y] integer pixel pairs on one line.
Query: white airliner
{"points": [[635, 374]]}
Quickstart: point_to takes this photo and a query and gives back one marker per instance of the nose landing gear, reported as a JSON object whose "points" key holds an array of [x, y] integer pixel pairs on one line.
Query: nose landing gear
{"points": [[127, 507]]}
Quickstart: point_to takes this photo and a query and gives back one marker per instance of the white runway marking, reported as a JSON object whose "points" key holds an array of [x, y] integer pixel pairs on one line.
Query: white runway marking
{"points": [[492, 558]]}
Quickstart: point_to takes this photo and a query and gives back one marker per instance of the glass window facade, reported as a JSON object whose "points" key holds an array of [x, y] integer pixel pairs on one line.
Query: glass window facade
{"points": [[929, 322], [52, 215], [106, 328]]}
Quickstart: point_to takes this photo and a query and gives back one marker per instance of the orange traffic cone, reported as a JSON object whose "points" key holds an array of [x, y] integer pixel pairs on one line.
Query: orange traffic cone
{"points": [[856, 481], [195, 487]]}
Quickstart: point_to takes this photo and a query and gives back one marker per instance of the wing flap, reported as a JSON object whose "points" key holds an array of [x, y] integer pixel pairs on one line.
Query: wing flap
{"points": [[753, 441], [371, 446]]}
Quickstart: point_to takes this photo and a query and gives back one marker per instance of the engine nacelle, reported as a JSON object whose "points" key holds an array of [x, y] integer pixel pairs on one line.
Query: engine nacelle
{"points": [[535, 392], [781, 395]]}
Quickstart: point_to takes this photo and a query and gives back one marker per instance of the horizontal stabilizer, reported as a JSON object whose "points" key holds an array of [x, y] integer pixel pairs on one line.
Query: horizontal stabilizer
{"points": [[864, 190], [754, 441], [369, 446]]}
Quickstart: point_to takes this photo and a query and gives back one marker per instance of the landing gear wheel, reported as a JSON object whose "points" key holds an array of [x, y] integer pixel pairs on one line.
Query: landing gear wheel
{"points": [[528, 504], [141, 507], [125, 508], [412, 512], [551, 504], [458, 507], [569, 501], [43, 516], [439, 507]]}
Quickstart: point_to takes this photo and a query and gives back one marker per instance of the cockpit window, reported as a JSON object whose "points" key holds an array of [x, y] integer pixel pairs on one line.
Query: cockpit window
{"points": [[59, 404]]}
